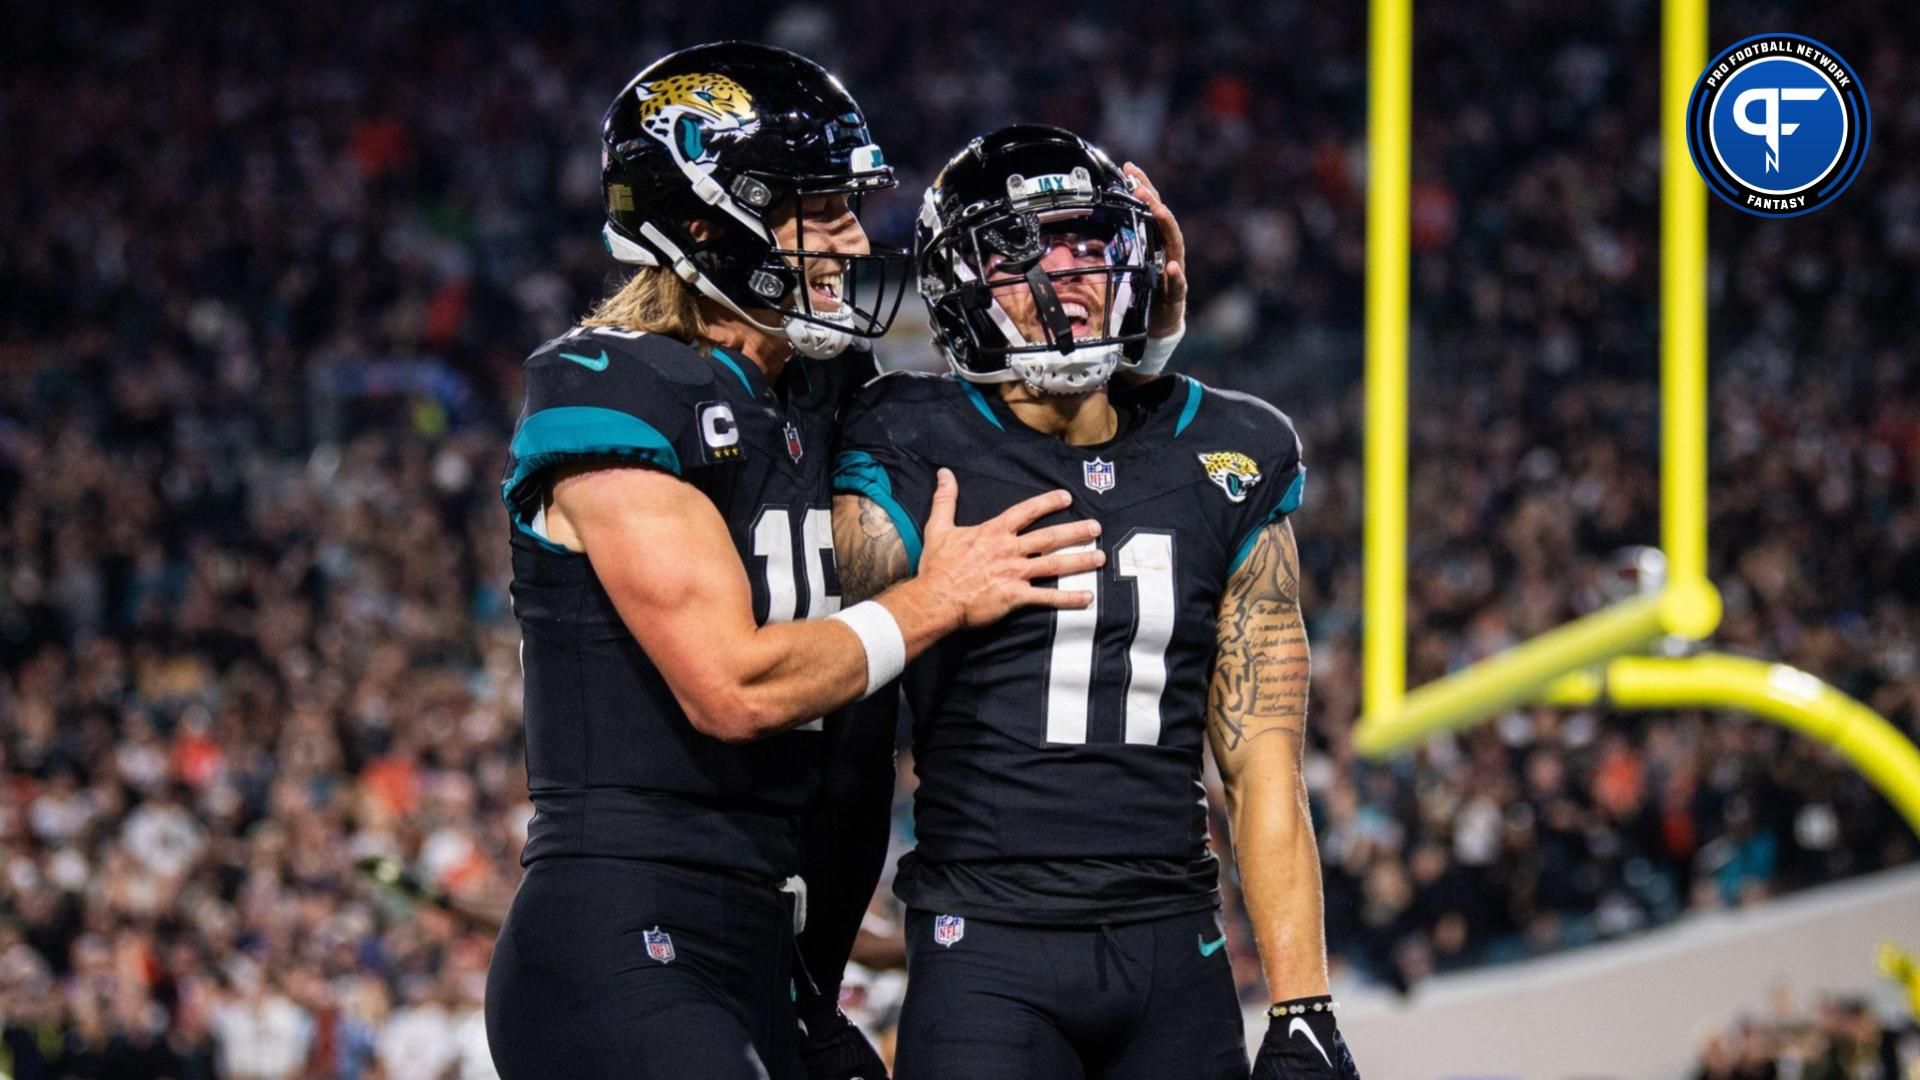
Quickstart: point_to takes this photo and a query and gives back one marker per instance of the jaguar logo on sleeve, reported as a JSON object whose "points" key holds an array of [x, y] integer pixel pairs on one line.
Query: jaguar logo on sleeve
{"points": [[1234, 472]]}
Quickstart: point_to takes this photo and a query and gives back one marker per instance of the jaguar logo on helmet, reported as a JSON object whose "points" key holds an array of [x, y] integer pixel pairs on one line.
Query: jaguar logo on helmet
{"points": [[692, 114], [702, 148], [1234, 472]]}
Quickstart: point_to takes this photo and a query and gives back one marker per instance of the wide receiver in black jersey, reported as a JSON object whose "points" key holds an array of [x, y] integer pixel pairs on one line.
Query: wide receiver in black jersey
{"points": [[669, 495], [1063, 910]]}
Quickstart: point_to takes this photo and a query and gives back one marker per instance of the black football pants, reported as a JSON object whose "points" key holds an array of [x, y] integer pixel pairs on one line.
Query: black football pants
{"points": [[575, 991], [1149, 1000]]}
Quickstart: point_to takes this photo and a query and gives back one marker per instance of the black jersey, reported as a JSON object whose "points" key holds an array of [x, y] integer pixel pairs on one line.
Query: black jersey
{"points": [[613, 765], [1059, 752]]}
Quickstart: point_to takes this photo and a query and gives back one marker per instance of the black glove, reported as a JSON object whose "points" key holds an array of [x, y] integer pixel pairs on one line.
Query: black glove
{"points": [[1303, 1044], [833, 1049]]}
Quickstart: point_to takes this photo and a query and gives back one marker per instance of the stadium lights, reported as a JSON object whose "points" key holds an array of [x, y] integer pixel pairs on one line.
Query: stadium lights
{"points": [[1597, 659]]}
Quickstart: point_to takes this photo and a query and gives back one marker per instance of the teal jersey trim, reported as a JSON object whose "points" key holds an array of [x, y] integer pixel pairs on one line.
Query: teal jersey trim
{"points": [[1288, 504], [1194, 391], [735, 366], [572, 431], [980, 402], [856, 473]]}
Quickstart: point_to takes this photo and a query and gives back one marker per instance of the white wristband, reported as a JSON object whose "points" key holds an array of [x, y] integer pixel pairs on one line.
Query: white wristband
{"points": [[1160, 350], [880, 636]]}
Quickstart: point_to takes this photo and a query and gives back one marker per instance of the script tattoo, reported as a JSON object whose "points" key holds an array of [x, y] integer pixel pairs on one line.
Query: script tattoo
{"points": [[1261, 672], [867, 549]]}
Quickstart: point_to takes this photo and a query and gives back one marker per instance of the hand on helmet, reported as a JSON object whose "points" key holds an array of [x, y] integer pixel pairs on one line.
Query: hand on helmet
{"points": [[1170, 306]]}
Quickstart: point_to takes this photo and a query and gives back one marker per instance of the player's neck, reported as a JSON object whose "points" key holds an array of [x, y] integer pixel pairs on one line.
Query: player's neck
{"points": [[1077, 419], [739, 338]]}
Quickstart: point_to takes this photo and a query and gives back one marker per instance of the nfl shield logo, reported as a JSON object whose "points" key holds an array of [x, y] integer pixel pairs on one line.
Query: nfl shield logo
{"points": [[794, 449], [948, 929], [659, 944], [1099, 475]]}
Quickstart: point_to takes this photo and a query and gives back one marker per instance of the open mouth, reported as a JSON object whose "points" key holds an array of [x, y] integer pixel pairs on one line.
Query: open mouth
{"points": [[824, 290], [1077, 316]]}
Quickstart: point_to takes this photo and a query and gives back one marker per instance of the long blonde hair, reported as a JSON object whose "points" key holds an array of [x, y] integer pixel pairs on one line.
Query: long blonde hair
{"points": [[656, 301]]}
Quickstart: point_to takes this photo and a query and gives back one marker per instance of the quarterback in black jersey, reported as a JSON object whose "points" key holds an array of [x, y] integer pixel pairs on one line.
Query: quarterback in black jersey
{"points": [[1062, 903], [669, 491]]}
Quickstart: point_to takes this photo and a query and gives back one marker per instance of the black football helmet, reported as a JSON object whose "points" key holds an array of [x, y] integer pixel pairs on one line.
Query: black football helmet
{"points": [[987, 223], [727, 134]]}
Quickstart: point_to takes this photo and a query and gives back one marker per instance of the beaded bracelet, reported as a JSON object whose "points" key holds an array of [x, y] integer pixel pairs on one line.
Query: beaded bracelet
{"points": [[1275, 1012]]}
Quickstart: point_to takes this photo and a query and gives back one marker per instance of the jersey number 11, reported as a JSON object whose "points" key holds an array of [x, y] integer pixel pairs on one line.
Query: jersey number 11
{"points": [[1146, 558]]}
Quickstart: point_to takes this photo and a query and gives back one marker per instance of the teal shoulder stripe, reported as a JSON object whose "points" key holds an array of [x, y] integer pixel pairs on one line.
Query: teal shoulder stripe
{"points": [[1296, 491], [856, 473], [1194, 391], [979, 402], [576, 430], [571, 431], [735, 365], [1287, 505]]}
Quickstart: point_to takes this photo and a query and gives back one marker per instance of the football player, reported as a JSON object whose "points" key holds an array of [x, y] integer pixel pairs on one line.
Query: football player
{"points": [[1063, 916], [669, 495]]}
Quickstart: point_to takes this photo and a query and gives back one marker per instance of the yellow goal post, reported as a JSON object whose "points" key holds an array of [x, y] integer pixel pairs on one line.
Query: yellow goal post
{"points": [[1601, 658]]}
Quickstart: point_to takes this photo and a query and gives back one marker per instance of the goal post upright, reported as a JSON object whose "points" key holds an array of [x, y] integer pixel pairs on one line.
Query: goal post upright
{"points": [[1600, 659], [1389, 172]]}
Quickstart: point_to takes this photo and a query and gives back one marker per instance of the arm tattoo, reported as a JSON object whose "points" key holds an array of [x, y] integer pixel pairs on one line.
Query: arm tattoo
{"points": [[1261, 671], [867, 549]]}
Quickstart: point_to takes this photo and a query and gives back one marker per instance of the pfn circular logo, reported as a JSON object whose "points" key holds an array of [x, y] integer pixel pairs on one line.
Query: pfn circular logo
{"points": [[1778, 125]]}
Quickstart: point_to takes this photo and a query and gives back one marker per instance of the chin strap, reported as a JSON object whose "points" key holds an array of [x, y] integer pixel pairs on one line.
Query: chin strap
{"points": [[817, 342], [811, 340], [1078, 372]]}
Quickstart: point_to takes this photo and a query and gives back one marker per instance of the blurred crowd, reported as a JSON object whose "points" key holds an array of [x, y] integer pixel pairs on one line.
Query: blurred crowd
{"points": [[268, 274], [1842, 1039]]}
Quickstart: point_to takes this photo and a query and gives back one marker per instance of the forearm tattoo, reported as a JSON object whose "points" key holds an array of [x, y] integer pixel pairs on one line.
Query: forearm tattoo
{"points": [[1261, 672], [868, 551]]}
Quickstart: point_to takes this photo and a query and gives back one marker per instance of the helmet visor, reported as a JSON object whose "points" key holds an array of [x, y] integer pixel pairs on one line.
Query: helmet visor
{"points": [[1063, 278]]}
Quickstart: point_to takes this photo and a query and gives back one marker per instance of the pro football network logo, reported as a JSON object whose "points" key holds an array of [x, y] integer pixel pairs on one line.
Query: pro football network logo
{"points": [[1778, 125], [1099, 475], [948, 929], [659, 944]]}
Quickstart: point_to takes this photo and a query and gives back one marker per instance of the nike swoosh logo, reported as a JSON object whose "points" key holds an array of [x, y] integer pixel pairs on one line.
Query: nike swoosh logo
{"points": [[1208, 948], [591, 363], [1299, 1027]]}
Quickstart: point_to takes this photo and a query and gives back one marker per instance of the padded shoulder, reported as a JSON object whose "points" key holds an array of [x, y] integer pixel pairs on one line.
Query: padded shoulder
{"points": [[617, 369], [920, 412], [1255, 427], [601, 394]]}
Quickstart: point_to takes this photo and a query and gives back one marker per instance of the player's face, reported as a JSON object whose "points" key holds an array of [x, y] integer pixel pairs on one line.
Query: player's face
{"points": [[823, 223], [1082, 296]]}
